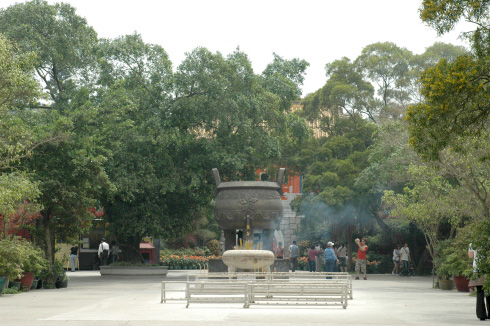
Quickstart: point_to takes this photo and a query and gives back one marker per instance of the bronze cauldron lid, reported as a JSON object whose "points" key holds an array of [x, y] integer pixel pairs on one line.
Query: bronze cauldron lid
{"points": [[249, 184]]}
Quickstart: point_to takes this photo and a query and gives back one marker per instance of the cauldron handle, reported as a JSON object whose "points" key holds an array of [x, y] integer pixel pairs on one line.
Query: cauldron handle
{"points": [[280, 176], [216, 177]]}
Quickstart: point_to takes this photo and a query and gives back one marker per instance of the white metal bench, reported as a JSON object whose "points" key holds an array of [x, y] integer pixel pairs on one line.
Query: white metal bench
{"points": [[320, 293], [276, 277], [264, 288], [216, 292]]}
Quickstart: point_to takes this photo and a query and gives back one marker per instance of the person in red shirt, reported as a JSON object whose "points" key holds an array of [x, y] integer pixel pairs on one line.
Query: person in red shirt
{"points": [[361, 257], [279, 251], [311, 258]]}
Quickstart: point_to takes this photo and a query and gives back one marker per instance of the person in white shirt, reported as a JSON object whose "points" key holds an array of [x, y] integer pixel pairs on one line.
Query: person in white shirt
{"points": [[103, 252], [482, 310], [396, 261], [405, 258]]}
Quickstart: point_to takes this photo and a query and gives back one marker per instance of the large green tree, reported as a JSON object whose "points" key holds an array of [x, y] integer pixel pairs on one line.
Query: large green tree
{"points": [[456, 93], [345, 92], [69, 171], [164, 131], [18, 89], [387, 65], [333, 205]]}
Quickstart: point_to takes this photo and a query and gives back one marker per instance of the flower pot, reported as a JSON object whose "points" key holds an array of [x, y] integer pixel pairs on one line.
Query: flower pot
{"points": [[39, 284], [34, 284], [446, 284], [461, 283], [64, 284], [61, 284], [14, 284], [26, 280], [3, 282]]}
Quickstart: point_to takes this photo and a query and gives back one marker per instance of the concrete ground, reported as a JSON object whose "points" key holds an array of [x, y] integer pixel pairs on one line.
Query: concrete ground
{"points": [[94, 300]]}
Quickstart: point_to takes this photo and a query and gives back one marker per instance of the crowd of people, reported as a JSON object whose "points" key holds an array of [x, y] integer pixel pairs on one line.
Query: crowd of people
{"points": [[334, 258]]}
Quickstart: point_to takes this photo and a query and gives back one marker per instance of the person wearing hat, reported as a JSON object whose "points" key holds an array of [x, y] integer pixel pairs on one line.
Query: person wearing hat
{"points": [[103, 252], [330, 257]]}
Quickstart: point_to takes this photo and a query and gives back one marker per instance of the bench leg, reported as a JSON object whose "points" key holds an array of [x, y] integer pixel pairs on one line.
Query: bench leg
{"points": [[162, 298]]}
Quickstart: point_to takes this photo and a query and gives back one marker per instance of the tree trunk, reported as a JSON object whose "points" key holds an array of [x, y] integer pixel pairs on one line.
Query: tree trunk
{"points": [[382, 224], [132, 252], [48, 241]]}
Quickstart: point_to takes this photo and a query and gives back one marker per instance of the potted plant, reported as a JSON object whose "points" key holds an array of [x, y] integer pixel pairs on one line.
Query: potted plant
{"points": [[3, 282], [62, 281], [52, 278], [453, 261], [443, 269], [33, 263], [10, 259], [459, 265]]}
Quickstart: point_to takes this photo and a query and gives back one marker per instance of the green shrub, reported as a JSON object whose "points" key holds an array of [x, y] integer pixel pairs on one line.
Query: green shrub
{"points": [[19, 255], [34, 260], [11, 259], [11, 291], [214, 247], [49, 277], [452, 260]]}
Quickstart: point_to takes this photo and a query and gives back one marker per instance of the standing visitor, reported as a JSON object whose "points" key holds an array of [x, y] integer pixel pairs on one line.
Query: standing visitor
{"points": [[73, 257], [396, 261], [482, 312], [293, 255], [103, 252], [361, 257], [319, 258], [342, 256], [330, 257], [405, 259], [312, 258], [279, 251]]}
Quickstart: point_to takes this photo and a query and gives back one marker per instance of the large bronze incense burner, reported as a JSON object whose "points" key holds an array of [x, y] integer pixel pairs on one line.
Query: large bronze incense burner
{"points": [[248, 206]]}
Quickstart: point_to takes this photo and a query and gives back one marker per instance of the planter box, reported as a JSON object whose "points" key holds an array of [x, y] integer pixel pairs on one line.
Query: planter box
{"points": [[446, 284], [34, 284], [26, 280], [14, 284], [461, 283], [134, 270], [3, 284], [217, 266], [281, 265]]}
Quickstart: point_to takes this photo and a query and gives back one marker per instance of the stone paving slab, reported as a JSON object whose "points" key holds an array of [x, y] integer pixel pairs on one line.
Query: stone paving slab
{"points": [[94, 300]]}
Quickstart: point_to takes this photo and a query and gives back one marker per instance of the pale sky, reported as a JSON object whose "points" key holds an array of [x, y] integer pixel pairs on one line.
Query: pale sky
{"points": [[319, 31]]}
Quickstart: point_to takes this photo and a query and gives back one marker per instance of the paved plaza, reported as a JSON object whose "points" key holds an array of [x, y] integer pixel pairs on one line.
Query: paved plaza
{"points": [[94, 300]]}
